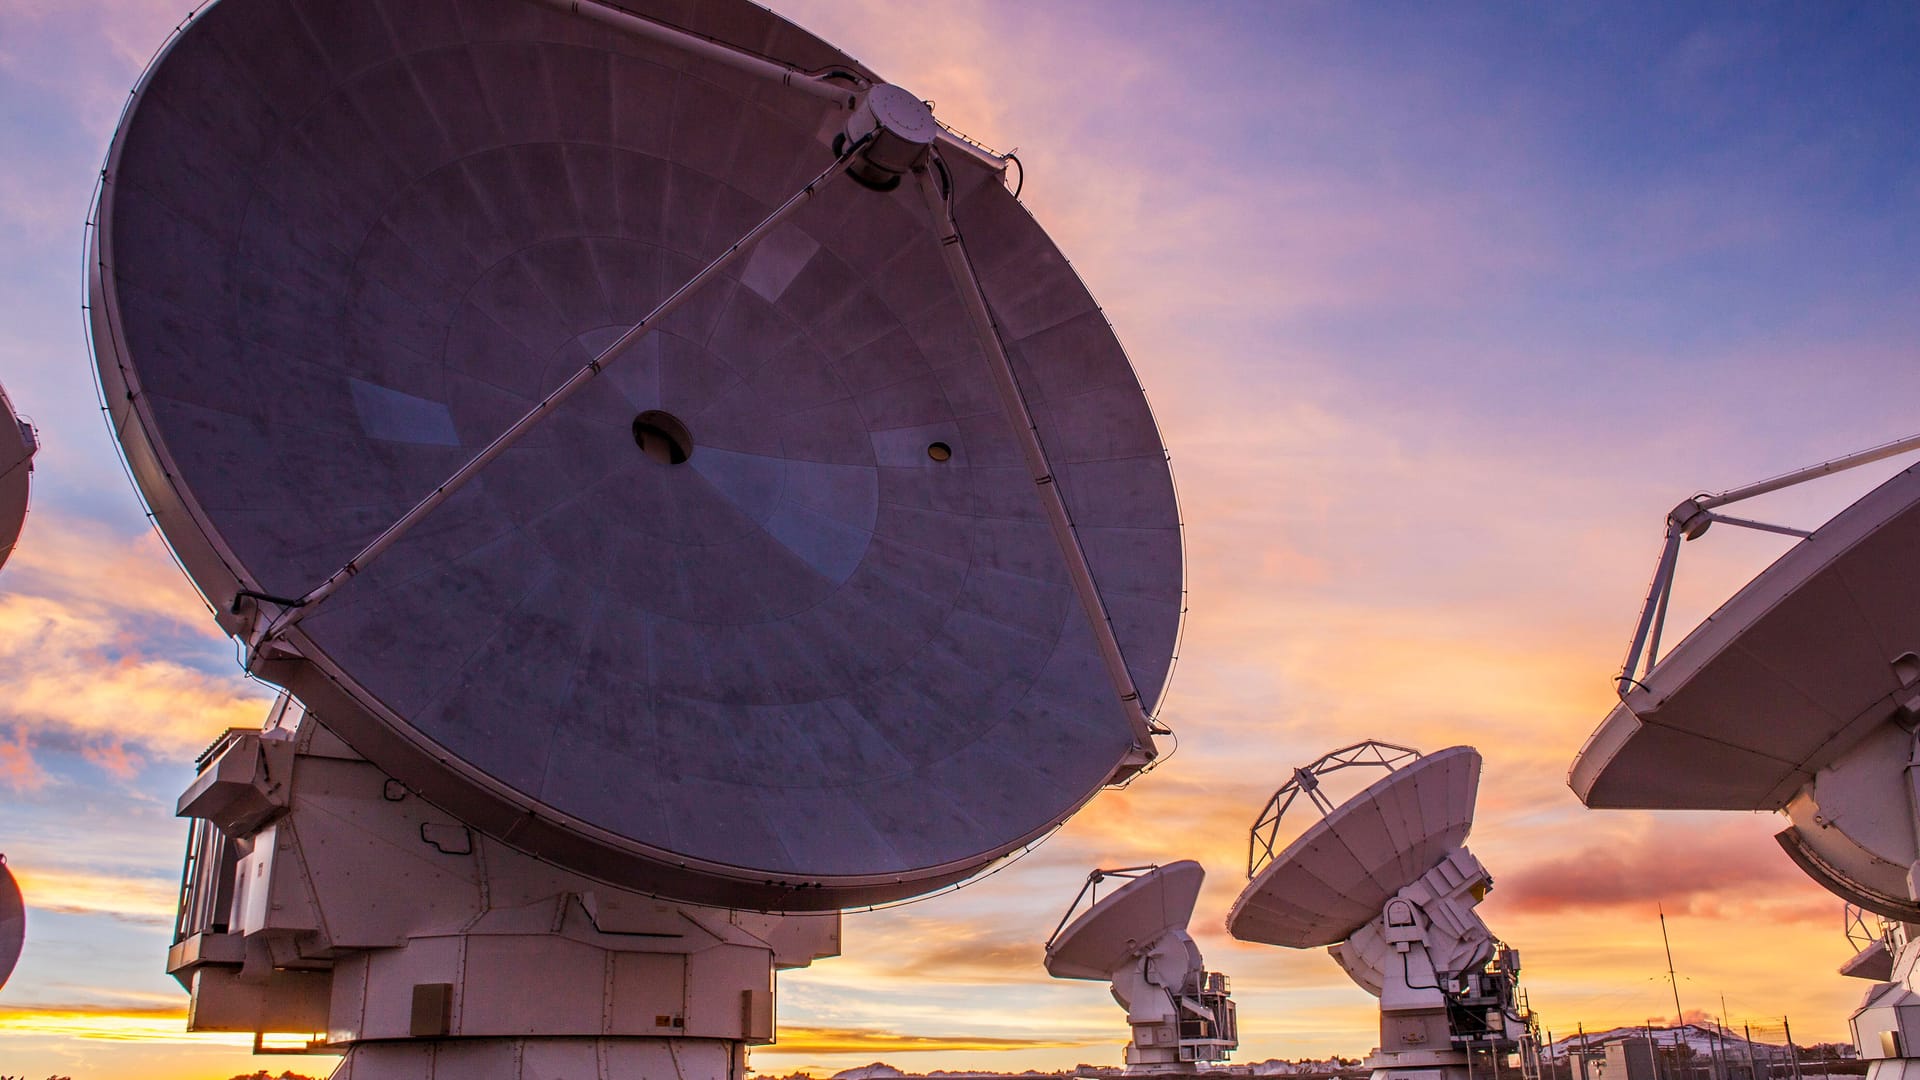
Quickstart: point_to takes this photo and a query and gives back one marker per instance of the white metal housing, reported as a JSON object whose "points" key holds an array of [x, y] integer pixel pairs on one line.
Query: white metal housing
{"points": [[1181, 1015], [1383, 880], [325, 900]]}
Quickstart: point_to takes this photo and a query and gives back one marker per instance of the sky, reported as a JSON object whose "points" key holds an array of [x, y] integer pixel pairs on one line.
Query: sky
{"points": [[1440, 307]]}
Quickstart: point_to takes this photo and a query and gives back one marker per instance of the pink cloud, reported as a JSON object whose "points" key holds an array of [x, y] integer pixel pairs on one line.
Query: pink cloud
{"points": [[1710, 871], [18, 769]]}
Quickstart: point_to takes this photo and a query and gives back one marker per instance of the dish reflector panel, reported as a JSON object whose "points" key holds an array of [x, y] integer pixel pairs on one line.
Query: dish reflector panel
{"points": [[16, 464], [13, 922], [1135, 915], [1337, 875], [1785, 677], [773, 650]]}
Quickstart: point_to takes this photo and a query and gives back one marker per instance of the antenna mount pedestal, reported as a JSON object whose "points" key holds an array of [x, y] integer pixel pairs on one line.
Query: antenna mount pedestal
{"points": [[323, 898], [1448, 990], [1181, 1015]]}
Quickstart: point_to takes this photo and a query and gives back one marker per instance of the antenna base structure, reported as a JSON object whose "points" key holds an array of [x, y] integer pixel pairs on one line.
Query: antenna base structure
{"points": [[1384, 882], [1182, 1016], [327, 909]]}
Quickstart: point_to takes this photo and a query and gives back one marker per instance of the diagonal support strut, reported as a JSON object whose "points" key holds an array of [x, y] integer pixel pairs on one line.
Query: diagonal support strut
{"points": [[304, 606], [953, 250]]}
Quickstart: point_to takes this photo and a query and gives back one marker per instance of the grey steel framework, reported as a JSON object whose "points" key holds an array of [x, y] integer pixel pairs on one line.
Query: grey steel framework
{"points": [[1263, 838], [341, 248]]}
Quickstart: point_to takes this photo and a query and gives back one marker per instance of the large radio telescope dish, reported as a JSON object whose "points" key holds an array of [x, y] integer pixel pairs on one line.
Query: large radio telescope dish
{"points": [[770, 615], [13, 922], [17, 445], [1788, 674], [1797, 696], [1335, 877]]}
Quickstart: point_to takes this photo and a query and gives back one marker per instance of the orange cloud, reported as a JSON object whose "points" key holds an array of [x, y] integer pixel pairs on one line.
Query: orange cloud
{"points": [[801, 1039], [127, 1021], [92, 631], [143, 900], [1709, 870]]}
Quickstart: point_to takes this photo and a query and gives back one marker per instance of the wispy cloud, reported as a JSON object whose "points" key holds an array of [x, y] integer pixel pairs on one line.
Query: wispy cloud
{"points": [[144, 900], [99, 635]]}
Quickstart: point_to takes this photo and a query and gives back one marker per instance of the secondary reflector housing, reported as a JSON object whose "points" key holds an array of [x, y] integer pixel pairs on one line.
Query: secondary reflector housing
{"points": [[807, 665], [1336, 876]]}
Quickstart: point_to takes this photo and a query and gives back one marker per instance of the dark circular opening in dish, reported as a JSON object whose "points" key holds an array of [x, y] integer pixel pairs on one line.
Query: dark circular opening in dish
{"points": [[939, 451], [662, 437]]}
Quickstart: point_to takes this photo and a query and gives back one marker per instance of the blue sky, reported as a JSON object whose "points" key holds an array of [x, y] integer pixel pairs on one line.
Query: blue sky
{"points": [[1440, 308]]}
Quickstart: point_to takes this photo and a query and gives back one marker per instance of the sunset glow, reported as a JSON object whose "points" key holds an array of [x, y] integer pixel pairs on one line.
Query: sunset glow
{"points": [[1440, 310]]}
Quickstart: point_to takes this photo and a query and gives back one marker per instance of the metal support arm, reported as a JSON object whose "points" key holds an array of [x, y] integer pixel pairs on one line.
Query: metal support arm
{"points": [[303, 607], [817, 84], [839, 87], [954, 250], [1692, 518]]}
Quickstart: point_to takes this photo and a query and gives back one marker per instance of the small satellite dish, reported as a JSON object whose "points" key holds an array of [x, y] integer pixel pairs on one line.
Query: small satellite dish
{"points": [[1136, 937], [13, 921], [1334, 877], [518, 383], [17, 446], [1383, 880]]}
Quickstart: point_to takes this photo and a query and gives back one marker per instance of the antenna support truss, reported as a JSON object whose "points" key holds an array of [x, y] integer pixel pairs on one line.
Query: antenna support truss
{"points": [[1693, 517], [1090, 892], [1264, 837]]}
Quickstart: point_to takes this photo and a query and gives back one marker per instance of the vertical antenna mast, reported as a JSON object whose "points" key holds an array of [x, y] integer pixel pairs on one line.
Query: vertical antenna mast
{"points": [[1678, 1016]]}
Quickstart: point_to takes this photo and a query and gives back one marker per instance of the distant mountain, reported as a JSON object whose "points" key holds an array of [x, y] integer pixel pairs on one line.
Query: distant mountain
{"points": [[1703, 1041], [879, 1070]]}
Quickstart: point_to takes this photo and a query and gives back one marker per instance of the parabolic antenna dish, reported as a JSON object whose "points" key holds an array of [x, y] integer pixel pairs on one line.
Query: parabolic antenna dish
{"points": [[1135, 915], [1800, 666], [1336, 876], [770, 615], [13, 922], [16, 465]]}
